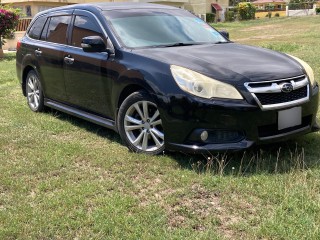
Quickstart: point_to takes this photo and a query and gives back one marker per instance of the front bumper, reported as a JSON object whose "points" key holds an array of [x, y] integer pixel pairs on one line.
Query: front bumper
{"points": [[232, 125]]}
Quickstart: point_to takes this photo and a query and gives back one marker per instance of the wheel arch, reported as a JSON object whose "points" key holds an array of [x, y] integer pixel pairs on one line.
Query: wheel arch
{"points": [[128, 82], [127, 91], [129, 86]]}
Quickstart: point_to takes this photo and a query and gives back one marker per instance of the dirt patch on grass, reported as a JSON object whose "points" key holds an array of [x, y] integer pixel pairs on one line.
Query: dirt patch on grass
{"points": [[82, 165], [264, 37], [193, 206], [62, 137], [259, 28], [150, 191]]}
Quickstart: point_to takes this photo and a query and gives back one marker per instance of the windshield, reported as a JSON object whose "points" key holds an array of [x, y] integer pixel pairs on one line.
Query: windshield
{"points": [[160, 28]]}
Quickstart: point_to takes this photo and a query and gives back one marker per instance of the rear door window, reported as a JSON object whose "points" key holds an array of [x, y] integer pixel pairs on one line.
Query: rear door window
{"points": [[57, 29]]}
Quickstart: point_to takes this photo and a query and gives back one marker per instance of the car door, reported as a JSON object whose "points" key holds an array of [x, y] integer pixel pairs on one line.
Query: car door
{"points": [[85, 73], [49, 54]]}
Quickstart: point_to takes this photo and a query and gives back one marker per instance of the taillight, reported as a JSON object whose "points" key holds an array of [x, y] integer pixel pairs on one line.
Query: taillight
{"points": [[18, 45]]}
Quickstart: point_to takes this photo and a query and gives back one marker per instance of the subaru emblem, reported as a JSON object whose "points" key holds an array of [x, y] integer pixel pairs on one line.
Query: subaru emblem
{"points": [[286, 87]]}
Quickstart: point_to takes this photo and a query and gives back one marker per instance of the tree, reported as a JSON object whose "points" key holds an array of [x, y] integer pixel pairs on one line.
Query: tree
{"points": [[9, 18], [246, 10], [301, 4]]}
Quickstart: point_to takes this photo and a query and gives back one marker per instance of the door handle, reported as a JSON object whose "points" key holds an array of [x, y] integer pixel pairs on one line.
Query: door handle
{"points": [[37, 52], [68, 60]]}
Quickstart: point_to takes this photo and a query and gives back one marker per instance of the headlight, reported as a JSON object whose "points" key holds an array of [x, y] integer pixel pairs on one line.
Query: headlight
{"points": [[202, 86], [307, 68]]}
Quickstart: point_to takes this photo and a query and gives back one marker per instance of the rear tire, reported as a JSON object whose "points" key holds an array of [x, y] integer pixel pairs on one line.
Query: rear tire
{"points": [[34, 92], [140, 125]]}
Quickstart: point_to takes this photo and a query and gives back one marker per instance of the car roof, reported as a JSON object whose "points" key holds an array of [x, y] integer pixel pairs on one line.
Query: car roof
{"points": [[109, 6], [129, 5]]}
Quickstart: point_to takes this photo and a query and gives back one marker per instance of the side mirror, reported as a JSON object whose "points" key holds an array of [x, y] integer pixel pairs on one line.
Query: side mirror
{"points": [[93, 44], [224, 33]]}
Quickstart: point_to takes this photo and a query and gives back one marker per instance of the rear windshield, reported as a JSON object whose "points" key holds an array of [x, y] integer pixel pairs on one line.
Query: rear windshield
{"points": [[138, 28]]}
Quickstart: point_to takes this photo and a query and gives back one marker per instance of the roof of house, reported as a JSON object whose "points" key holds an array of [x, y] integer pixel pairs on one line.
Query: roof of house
{"points": [[268, 1], [216, 6]]}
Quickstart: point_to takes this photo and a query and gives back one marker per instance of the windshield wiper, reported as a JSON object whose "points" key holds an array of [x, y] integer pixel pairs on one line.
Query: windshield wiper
{"points": [[221, 42], [181, 44], [178, 44]]}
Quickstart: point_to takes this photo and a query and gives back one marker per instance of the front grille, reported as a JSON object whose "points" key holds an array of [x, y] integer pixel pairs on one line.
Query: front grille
{"points": [[276, 98], [272, 95]]}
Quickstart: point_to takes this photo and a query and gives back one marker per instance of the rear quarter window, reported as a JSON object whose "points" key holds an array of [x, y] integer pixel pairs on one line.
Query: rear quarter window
{"points": [[36, 28]]}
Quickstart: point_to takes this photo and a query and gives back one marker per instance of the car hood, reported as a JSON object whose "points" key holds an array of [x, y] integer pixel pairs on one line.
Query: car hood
{"points": [[228, 61]]}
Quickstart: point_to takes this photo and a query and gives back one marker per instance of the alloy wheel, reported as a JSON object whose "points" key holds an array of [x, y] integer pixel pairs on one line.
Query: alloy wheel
{"points": [[33, 92], [143, 126]]}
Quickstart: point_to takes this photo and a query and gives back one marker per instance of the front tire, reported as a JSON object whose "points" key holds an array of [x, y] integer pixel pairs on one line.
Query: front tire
{"points": [[34, 92], [140, 125]]}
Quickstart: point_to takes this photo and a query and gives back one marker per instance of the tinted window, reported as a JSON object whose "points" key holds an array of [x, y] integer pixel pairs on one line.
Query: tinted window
{"points": [[57, 30], [84, 27], [36, 28]]}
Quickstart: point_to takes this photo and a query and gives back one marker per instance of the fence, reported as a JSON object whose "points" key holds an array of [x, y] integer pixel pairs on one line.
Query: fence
{"points": [[23, 24], [303, 11]]}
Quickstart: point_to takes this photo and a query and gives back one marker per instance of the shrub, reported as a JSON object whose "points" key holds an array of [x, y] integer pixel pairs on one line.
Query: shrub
{"points": [[269, 15], [318, 10], [230, 16], [8, 21], [210, 17], [246, 10], [277, 15], [301, 4]]}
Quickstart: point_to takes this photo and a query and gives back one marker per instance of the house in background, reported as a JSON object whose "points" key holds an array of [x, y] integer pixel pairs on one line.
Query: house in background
{"points": [[201, 7], [30, 8], [264, 6], [278, 5]]}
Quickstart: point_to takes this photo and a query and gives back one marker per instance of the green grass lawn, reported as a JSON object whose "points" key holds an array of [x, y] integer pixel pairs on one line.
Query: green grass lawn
{"points": [[65, 178]]}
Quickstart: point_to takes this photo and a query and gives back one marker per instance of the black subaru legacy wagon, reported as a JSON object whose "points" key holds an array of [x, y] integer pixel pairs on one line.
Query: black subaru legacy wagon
{"points": [[163, 78]]}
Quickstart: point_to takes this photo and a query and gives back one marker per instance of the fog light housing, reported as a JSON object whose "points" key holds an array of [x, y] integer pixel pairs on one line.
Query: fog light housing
{"points": [[215, 136], [204, 136]]}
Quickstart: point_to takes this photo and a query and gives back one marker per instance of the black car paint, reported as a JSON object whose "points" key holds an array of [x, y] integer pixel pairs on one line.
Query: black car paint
{"points": [[229, 61], [114, 76]]}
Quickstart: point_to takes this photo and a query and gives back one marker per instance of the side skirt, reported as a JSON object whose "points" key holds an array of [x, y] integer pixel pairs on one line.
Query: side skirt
{"points": [[81, 114]]}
